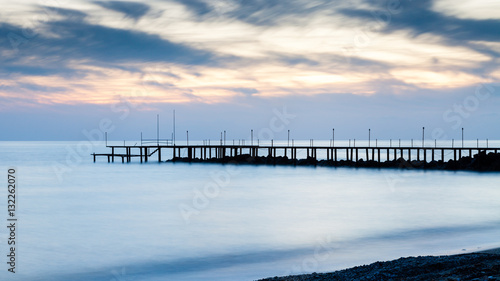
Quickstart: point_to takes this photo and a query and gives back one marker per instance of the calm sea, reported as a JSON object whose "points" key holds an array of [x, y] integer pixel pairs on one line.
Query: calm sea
{"points": [[80, 220]]}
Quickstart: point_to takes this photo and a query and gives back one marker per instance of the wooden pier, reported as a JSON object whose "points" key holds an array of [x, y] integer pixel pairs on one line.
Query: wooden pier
{"points": [[330, 153]]}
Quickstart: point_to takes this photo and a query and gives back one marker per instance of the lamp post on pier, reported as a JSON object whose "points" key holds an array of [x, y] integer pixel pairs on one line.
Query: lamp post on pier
{"points": [[369, 137], [462, 137], [333, 137], [288, 143], [423, 136]]}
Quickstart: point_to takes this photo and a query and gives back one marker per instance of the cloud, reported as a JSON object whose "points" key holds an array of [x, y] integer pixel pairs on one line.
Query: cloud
{"points": [[199, 7], [418, 17], [82, 40], [245, 91], [134, 10], [270, 13], [259, 12], [40, 88], [78, 40], [468, 9], [212, 51]]}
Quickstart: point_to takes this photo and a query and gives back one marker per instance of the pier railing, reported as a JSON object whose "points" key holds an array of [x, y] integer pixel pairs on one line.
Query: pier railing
{"points": [[151, 142]]}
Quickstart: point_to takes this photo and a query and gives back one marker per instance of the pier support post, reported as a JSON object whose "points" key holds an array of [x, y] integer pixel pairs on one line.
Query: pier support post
{"points": [[442, 155], [455, 154], [140, 153], [378, 151], [113, 154], [94, 157], [425, 155], [367, 155], [159, 154]]}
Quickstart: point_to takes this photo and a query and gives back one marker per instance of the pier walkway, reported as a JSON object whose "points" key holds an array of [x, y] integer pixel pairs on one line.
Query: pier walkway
{"points": [[426, 154]]}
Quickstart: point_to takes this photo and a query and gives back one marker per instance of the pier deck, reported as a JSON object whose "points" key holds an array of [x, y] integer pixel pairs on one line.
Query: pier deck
{"points": [[331, 153]]}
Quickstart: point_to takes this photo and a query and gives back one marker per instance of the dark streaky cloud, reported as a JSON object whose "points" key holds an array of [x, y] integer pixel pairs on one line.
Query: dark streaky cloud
{"points": [[88, 41], [258, 12], [199, 7], [133, 10], [418, 18], [97, 45]]}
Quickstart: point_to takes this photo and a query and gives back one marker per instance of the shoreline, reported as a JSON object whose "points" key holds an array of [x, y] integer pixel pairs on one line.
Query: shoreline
{"points": [[481, 162], [481, 265]]}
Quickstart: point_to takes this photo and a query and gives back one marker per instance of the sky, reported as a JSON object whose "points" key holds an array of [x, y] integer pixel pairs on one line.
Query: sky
{"points": [[72, 68]]}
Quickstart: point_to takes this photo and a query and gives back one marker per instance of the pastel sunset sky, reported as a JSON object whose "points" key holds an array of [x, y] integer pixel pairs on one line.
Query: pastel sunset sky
{"points": [[392, 66]]}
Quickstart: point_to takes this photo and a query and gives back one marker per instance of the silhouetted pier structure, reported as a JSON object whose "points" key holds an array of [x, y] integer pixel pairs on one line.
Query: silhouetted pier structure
{"points": [[333, 153]]}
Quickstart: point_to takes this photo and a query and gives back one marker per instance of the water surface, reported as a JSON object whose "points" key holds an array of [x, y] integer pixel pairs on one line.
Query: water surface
{"points": [[175, 221]]}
